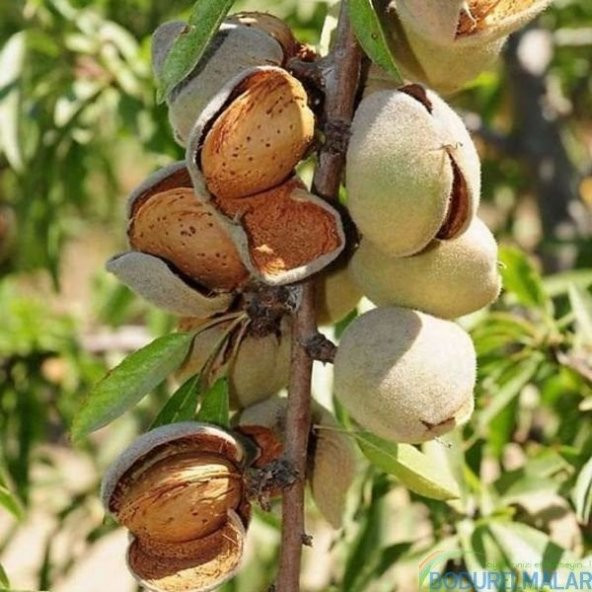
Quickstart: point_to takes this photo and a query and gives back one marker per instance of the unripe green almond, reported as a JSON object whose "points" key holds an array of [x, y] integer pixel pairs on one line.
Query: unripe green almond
{"points": [[413, 173], [453, 41], [234, 48], [448, 279], [404, 375], [336, 295], [259, 369]]}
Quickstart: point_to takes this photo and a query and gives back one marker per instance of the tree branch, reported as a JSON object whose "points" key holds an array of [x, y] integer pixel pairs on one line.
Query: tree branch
{"points": [[341, 83]]}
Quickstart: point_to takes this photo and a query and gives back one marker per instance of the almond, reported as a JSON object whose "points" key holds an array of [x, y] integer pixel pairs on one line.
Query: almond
{"points": [[260, 136]]}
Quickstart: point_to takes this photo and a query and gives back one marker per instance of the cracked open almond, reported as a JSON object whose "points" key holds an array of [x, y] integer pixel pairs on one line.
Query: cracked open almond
{"points": [[259, 137], [179, 490], [169, 222], [234, 49], [286, 233], [451, 42], [331, 464], [413, 173], [404, 375]]}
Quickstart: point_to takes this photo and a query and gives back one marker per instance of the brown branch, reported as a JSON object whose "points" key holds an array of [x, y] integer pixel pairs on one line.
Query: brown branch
{"points": [[341, 84]]}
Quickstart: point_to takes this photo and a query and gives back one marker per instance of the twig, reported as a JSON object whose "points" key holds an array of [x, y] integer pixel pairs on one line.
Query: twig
{"points": [[341, 83]]}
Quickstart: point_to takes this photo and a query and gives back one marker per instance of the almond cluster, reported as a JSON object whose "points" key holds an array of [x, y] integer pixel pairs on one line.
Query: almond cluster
{"points": [[210, 234]]}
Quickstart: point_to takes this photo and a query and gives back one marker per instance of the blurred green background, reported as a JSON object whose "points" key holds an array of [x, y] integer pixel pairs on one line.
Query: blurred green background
{"points": [[79, 128]]}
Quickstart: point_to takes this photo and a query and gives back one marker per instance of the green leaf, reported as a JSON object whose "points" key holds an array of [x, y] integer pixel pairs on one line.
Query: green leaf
{"points": [[581, 304], [582, 494], [520, 376], [182, 404], [363, 549], [480, 552], [4, 583], [215, 406], [531, 550], [12, 60], [127, 383], [415, 470], [521, 279], [559, 284], [190, 46], [372, 34], [10, 503]]}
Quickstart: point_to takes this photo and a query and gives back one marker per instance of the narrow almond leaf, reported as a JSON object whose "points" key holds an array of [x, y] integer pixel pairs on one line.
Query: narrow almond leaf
{"points": [[581, 305], [182, 404], [190, 46], [415, 470], [372, 34], [129, 382], [215, 406], [520, 375], [534, 550], [10, 503], [522, 280], [4, 583], [12, 59], [582, 494]]}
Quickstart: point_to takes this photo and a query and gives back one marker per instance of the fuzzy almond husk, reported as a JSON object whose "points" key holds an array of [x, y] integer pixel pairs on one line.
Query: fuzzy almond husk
{"points": [[332, 460], [260, 136], [272, 25], [155, 281], [404, 375], [336, 295], [413, 173], [260, 366], [454, 41], [235, 48], [201, 565], [448, 279]]}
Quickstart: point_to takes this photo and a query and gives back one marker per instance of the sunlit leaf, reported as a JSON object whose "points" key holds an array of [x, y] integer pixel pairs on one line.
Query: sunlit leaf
{"points": [[581, 304], [558, 284], [12, 59], [372, 33], [521, 279], [182, 404], [129, 382], [215, 405], [521, 375], [533, 551], [189, 47], [415, 470], [582, 494], [10, 503], [4, 583]]}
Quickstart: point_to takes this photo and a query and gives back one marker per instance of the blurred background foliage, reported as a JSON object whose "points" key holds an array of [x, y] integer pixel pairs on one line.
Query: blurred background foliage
{"points": [[79, 127]]}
